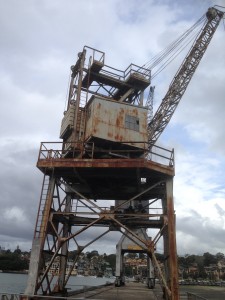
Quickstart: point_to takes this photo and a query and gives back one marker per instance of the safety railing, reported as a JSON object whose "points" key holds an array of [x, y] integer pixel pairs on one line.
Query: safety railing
{"points": [[113, 73], [99, 57], [59, 150], [95, 54], [77, 292], [6, 296], [132, 69], [50, 150], [141, 72]]}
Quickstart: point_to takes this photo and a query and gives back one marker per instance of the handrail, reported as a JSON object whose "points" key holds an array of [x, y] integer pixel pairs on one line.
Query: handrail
{"points": [[7, 296], [107, 71], [80, 289], [60, 150], [95, 52], [134, 69]]}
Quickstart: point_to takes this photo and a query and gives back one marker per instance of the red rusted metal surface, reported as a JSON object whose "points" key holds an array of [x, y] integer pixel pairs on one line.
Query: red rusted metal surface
{"points": [[171, 245], [104, 163], [106, 120], [103, 174]]}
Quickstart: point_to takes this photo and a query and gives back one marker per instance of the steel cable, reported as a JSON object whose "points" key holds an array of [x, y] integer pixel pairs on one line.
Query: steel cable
{"points": [[156, 60]]}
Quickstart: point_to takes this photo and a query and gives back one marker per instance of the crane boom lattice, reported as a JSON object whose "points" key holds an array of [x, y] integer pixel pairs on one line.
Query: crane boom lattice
{"points": [[183, 76]]}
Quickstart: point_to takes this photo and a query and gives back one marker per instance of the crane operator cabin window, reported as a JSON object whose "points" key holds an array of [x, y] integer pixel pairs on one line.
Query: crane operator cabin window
{"points": [[132, 122]]}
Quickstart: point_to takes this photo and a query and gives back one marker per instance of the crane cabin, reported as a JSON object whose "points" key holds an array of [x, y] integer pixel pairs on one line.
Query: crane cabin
{"points": [[105, 115]]}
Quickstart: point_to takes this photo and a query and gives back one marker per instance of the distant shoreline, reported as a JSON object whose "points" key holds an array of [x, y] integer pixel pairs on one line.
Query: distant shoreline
{"points": [[14, 272]]}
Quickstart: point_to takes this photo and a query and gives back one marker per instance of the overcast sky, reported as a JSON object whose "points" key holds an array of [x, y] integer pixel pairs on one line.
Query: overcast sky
{"points": [[40, 40]]}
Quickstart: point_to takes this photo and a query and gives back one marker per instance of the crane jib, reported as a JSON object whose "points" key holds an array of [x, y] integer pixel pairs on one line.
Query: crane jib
{"points": [[183, 76]]}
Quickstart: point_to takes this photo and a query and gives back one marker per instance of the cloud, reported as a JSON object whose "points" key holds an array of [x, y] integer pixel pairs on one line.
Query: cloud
{"points": [[196, 233], [40, 41], [220, 210]]}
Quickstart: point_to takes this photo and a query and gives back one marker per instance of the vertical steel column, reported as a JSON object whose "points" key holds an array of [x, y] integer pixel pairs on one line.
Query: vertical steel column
{"points": [[150, 274], [169, 236], [119, 264], [60, 287], [39, 241]]}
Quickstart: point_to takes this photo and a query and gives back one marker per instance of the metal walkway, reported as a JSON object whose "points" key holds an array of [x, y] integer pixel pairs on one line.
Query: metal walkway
{"points": [[130, 291]]}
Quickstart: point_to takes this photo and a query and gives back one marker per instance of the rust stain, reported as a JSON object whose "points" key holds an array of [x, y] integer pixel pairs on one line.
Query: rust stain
{"points": [[118, 137], [107, 163], [135, 111], [120, 118], [118, 122]]}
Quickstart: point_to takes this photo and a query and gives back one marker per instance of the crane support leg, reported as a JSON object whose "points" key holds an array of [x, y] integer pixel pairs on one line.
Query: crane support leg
{"points": [[39, 239], [151, 276], [169, 237]]}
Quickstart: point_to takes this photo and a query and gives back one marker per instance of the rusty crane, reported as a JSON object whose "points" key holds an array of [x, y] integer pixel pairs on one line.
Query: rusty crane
{"points": [[101, 176]]}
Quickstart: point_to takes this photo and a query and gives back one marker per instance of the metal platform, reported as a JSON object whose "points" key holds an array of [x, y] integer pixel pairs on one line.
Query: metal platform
{"points": [[114, 178]]}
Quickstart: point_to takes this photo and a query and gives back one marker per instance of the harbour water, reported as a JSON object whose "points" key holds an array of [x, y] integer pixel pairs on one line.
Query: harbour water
{"points": [[12, 283], [16, 283]]}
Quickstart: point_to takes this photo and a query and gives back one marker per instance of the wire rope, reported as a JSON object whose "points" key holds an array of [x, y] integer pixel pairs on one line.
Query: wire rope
{"points": [[180, 43], [175, 54], [173, 45]]}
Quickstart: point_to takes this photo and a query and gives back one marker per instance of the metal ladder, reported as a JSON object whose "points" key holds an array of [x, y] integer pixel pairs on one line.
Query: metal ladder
{"points": [[43, 197]]}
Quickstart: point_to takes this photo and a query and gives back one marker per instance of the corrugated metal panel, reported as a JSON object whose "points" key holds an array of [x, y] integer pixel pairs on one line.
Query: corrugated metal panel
{"points": [[67, 125], [116, 122], [67, 122]]}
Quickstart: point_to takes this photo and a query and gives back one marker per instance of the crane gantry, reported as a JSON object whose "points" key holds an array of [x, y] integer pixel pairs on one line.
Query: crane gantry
{"points": [[106, 133]]}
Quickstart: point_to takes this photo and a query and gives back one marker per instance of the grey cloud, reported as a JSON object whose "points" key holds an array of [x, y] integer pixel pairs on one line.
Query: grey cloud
{"points": [[202, 233], [220, 210], [40, 41]]}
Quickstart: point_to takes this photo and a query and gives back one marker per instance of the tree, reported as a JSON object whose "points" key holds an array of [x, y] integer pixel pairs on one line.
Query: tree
{"points": [[160, 257], [111, 259], [201, 271], [72, 254], [142, 256], [17, 251], [12, 262], [92, 253], [186, 260], [209, 259], [132, 255], [219, 256]]}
